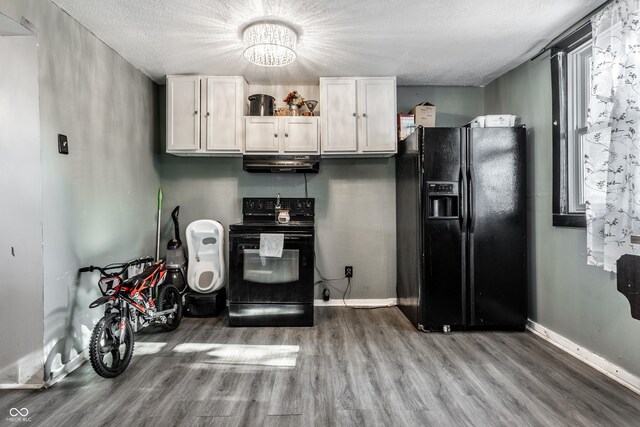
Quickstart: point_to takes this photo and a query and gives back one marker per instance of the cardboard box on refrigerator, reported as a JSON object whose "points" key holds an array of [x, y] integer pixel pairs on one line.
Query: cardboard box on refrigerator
{"points": [[425, 115]]}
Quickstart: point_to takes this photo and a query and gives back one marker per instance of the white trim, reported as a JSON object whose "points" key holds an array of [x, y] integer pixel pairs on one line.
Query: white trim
{"points": [[21, 386], [585, 355], [69, 367], [337, 302]]}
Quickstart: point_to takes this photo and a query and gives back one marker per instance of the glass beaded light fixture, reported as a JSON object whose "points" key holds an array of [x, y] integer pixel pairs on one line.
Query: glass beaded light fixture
{"points": [[269, 44]]}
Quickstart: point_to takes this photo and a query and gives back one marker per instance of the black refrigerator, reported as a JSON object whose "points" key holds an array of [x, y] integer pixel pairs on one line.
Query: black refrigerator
{"points": [[462, 228]]}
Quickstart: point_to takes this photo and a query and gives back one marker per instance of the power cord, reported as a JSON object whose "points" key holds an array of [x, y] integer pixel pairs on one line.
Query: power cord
{"points": [[326, 283], [326, 293], [344, 300]]}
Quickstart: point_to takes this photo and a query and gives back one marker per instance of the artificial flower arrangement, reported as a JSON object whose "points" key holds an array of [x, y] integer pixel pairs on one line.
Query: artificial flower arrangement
{"points": [[294, 98]]}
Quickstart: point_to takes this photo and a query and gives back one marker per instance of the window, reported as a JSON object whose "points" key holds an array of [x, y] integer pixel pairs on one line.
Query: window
{"points": [[578, 90], [571, 74]]}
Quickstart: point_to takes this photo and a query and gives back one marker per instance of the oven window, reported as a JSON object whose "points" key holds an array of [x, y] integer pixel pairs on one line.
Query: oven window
{"points": [[259, 269]]}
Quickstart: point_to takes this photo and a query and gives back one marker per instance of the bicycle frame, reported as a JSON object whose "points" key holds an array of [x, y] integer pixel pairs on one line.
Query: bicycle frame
{"points": [[129, 296]]}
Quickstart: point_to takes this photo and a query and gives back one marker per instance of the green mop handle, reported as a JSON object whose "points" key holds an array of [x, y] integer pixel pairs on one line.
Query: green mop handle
{"points": [[158, 228]]}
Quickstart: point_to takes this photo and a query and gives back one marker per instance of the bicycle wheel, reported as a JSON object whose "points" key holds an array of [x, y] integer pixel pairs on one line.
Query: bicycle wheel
{"points": [[108, 356], [170, 297]]}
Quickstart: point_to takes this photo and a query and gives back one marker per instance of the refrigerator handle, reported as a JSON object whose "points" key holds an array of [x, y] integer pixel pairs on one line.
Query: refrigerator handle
{"points": [[462, 182], [472, 199]]}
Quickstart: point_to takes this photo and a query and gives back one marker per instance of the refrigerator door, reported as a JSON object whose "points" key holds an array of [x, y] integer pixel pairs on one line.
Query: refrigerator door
{"points": [[443, 239], [497, 227]]}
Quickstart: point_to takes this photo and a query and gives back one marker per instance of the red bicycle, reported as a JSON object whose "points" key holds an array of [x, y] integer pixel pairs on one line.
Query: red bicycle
{"points": [[130, 305]]}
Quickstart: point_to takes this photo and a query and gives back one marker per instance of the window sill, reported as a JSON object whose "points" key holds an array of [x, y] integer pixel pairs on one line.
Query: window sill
{"points": [[570, 220]]}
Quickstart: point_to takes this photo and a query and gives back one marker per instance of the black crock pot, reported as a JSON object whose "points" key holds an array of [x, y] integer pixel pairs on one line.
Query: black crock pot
{"points": [[261, 105]]}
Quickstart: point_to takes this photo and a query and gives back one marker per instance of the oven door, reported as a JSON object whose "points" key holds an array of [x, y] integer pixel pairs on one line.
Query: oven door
{"points": [[256, 279]]}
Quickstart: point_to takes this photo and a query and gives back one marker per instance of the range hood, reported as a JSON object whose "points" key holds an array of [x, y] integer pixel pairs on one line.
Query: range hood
{"points": [[281, 164]]}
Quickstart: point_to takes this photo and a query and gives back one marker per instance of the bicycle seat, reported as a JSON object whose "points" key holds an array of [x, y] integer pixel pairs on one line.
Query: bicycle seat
{"points": [[146, 273]]}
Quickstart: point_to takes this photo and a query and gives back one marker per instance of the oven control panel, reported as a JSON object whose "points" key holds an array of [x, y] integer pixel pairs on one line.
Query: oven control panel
{"points": [[266, 206]]}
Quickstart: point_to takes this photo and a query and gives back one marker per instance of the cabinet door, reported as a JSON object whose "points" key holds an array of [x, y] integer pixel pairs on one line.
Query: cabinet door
{"points": [[183, 113], [262, 135], [224, 114], [338, 115], [300, 134], [377, 105]]}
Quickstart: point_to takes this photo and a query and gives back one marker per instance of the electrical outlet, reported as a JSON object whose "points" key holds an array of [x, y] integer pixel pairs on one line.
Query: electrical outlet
{"points": [[348, 271]]}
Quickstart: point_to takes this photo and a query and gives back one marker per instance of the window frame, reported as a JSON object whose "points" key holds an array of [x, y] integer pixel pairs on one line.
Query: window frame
{"points": [[579, 79], [562, 215]]}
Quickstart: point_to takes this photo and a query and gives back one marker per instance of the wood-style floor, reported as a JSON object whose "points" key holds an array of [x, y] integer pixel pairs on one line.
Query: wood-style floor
{"points": [[355, 367]]}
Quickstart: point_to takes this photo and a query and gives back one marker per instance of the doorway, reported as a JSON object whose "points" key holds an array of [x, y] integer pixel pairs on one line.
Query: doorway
{"points": [[21, 305]]}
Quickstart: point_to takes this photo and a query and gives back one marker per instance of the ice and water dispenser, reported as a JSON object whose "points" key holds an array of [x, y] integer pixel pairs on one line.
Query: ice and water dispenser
{"points": [[442, 198]]}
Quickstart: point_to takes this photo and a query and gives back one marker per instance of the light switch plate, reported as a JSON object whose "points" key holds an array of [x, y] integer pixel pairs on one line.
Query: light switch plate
{"points": [[63, 144]]}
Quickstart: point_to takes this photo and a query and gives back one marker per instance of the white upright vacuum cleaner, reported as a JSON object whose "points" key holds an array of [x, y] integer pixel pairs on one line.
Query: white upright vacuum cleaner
{"points": [[206, 272]]}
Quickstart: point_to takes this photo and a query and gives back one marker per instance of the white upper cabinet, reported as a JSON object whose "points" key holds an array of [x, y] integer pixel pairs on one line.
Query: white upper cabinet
{"points": [[377, 102], [282, 135], [358, 116], [183, 113], [339, 115], [262, 135], [300, 134], [205, 115], [224, 114]]}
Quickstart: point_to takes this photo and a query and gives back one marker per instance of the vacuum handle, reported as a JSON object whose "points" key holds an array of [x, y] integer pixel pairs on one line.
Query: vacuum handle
{"points": [[174, 217]]}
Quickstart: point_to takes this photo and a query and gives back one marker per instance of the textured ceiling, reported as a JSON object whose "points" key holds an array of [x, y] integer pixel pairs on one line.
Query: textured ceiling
{"points": [[423, 42]]}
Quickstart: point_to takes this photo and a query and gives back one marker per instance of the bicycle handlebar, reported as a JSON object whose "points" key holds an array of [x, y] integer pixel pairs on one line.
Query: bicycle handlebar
{"points": [[123, 266]]}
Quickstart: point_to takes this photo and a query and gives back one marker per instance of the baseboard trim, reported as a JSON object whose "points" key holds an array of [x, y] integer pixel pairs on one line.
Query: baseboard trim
{"points": [[69, 367], [21, 386], [337, 302], [585, 355]]}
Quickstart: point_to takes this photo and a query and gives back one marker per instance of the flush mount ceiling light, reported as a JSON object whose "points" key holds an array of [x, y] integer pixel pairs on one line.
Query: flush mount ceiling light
{"points": [[269, 44]]}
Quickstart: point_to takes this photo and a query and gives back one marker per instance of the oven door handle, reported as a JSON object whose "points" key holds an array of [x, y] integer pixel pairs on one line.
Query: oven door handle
{"points": [[286, 236]]}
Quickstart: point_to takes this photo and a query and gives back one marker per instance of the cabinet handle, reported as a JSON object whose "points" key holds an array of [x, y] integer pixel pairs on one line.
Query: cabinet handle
{"points": [[196, 113], [364, 115], [208, 114], [355, 115], [275, 135], [286, 135]]}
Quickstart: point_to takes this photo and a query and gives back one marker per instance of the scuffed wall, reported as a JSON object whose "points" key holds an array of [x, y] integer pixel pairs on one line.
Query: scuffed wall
{"points": [[99, 202], [21, 304]]}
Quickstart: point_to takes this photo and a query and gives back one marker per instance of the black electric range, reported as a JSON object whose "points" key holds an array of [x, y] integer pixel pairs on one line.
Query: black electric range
{"points": [[272, 291]]}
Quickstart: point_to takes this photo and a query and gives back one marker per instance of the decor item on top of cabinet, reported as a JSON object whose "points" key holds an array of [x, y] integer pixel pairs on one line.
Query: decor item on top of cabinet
{"points": [[205, 115], [261, 104], [294, 100], [358, 116], [311, 105]]}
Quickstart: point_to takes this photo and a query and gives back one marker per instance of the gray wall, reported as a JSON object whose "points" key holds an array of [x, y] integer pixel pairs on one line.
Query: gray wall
{"points": [[355, 198], [455, 105], [99, 202], [567, 296], [21, 305]]}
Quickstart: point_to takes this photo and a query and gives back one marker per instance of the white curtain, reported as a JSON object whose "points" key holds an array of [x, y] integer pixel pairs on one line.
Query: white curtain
{"points": [[612, 146]]}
